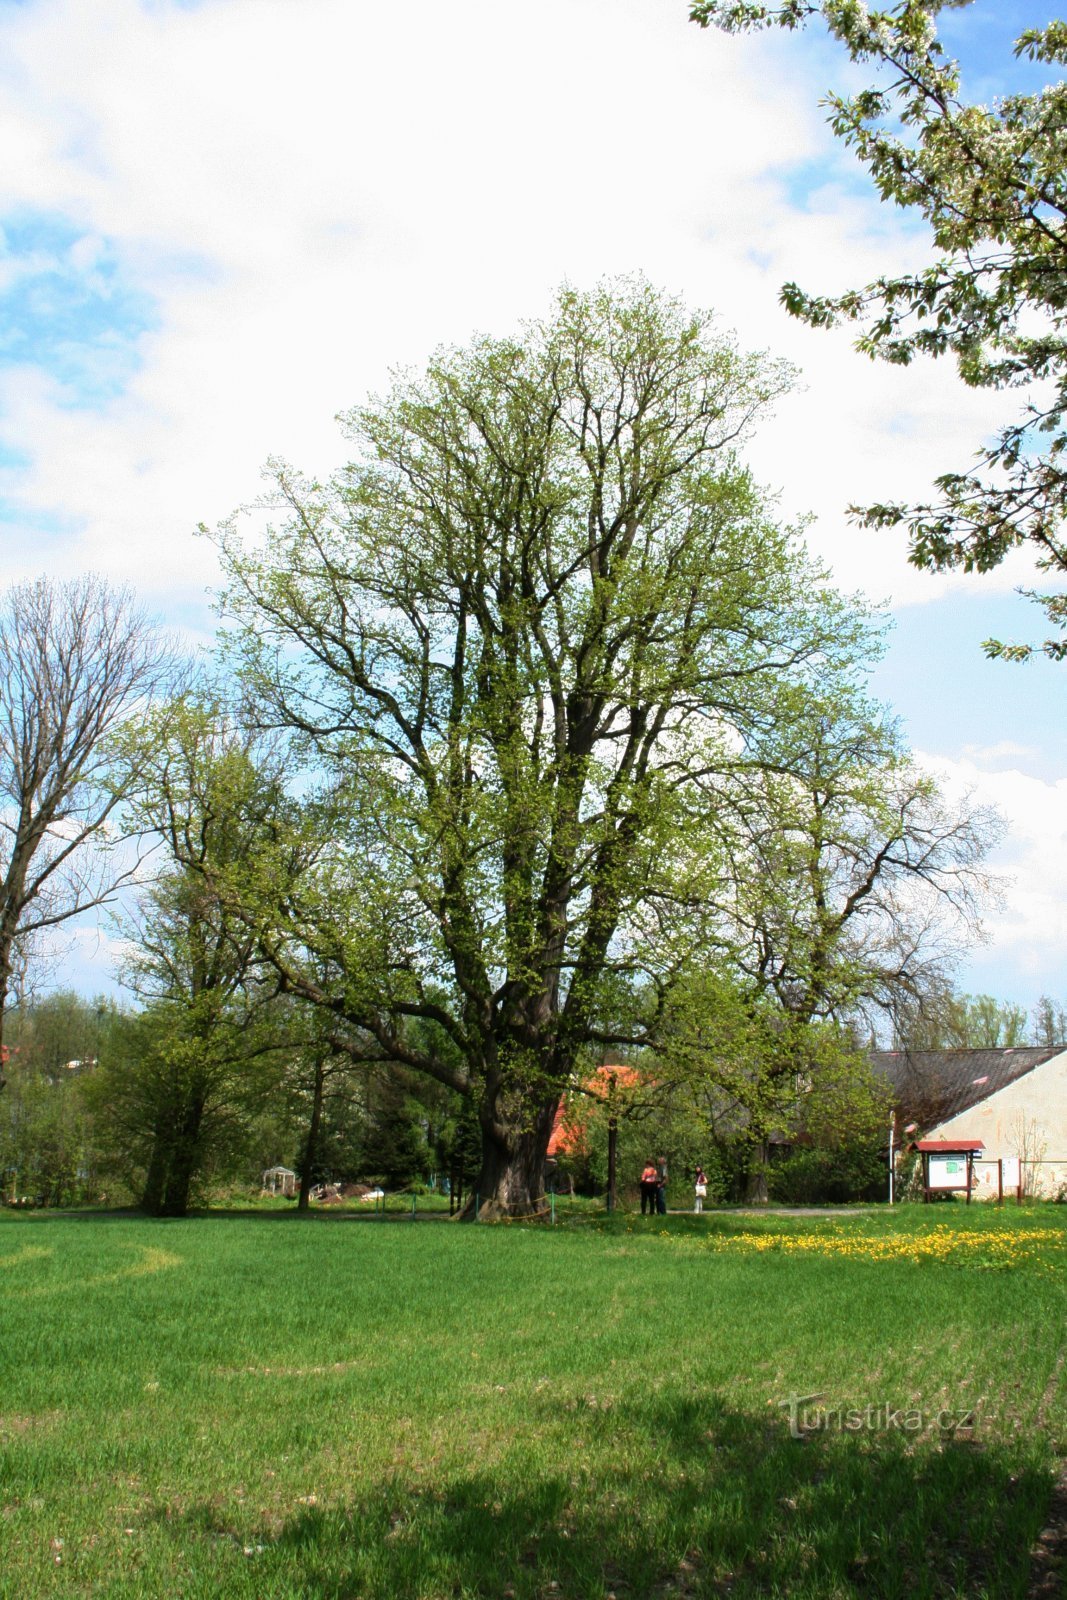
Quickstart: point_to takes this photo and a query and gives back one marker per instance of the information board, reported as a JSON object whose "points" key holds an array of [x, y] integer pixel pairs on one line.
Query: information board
{"points": [[947, 1172]]}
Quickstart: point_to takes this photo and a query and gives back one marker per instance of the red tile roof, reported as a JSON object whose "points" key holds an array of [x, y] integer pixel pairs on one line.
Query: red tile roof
{"points": [[567, 1130], [947, 1146]]}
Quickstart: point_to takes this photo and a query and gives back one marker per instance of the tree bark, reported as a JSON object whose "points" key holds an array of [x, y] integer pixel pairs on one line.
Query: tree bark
{"points": [[5, 985], [76, 659], [511, 1182], [311, 1147], [156, 1176], [184, 1152]]}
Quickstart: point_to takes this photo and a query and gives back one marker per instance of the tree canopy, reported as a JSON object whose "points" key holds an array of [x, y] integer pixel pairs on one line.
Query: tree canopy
{"points": [[525, 648], [992, 183], [210, 1038]]}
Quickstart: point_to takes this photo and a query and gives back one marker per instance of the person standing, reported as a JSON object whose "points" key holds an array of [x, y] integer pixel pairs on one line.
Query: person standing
{"points": [[649, 1180], [661, 1188], [700, 1183]]}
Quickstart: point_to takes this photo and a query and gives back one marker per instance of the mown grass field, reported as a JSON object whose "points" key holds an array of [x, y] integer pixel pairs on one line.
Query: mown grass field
{"points": [[266, 1406]]}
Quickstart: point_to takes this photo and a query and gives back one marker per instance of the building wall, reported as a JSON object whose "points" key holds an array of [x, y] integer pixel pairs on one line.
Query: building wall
{"points": [[1027, 1121]]}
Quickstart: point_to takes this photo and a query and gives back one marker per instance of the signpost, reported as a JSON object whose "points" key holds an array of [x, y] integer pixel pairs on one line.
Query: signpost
{"points": [[948, 1165]]}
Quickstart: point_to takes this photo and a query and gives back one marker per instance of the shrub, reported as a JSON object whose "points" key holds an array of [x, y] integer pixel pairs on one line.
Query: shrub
{"points": [[828, 1177]]}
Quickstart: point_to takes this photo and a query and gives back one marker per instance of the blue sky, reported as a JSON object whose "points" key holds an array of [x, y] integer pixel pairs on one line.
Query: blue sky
{"points": [[68, 309], [222, 222]]}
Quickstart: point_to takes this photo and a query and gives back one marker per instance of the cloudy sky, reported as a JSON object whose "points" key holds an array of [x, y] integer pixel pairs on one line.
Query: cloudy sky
{"points": [[223, 221]]}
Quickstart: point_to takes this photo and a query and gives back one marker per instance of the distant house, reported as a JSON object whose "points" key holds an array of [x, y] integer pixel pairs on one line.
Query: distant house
{"points": [[569, 1131], [1014, 1101]]}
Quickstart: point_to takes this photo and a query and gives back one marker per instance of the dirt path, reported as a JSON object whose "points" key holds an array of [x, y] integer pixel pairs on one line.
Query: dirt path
{"points": [[780, 1211]]}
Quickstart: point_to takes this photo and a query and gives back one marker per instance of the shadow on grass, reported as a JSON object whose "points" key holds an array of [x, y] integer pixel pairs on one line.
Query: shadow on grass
{"points": [[697, 1501]]}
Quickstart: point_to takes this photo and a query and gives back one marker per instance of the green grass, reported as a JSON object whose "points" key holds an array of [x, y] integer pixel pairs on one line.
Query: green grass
{"points": [[267, 1406]]}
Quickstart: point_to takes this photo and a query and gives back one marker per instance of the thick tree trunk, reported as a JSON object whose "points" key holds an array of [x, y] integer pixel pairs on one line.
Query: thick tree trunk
{"points": [[756, 1192], [511, 1182], [311, 1147], [184, 1155], [5, 991], [156, 1176]]}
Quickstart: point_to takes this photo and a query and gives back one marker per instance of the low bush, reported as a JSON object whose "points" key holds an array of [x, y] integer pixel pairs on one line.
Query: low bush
{"points": [[828, 1177]]}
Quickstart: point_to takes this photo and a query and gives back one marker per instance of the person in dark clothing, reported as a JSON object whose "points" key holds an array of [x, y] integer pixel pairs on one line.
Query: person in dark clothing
{"points": [[649, 1183], [661, 1189]]}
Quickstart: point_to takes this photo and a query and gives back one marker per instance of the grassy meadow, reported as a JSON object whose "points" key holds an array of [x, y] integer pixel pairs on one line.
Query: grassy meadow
{"points": [[268, 1406]]}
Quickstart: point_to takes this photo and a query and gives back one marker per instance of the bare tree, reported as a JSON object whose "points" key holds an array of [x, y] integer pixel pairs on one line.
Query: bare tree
{"points": [[1049, 1022], [868, 882], [76, 660]]}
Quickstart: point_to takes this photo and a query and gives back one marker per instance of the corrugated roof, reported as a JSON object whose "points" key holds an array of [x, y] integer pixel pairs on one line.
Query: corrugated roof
{"points": [[931, 1086]]}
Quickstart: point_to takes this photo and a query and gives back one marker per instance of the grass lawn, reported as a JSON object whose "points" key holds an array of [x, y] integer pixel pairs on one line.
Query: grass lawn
{"points": [[268, 1406]]}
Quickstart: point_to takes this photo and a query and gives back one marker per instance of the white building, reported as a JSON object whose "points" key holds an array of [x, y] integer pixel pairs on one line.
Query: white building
{"points": [[1014, 1101]]}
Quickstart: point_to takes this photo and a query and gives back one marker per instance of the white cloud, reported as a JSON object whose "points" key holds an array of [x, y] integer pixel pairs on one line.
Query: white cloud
{"points": [[1028, 935], [315, 192], [1005, 750]]}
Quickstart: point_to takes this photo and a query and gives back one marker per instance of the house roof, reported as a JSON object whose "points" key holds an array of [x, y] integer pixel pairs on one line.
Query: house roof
{"points": [[930, 1086], [946, 1147], [567, 1131]]}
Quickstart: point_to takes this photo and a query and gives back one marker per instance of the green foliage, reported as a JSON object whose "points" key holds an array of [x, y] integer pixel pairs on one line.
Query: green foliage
{"points": [[172, 1115], [208, 1050], [49, 1143], [733, 1077], [1049, 1026], [829, 1177], [660, 1128], [949, 1021], [991, 181], [523, 644], [859, 881], [744, 1066], [462, 1145], [392, 1145]]}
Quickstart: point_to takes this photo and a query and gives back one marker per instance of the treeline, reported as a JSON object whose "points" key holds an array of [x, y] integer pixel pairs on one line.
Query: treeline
{"points": [[949, 1021], [88, 1083], [533, 741]]}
